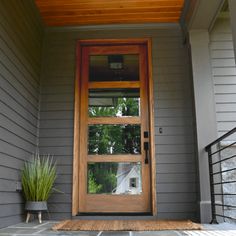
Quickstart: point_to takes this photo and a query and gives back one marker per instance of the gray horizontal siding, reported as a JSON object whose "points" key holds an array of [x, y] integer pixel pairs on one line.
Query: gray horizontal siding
{"points": [[175, 159], [20, 65], [223, 74]]}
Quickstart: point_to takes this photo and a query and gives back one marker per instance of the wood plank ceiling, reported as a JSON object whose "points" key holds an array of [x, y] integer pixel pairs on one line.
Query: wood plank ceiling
{"points": [[95, 12]]}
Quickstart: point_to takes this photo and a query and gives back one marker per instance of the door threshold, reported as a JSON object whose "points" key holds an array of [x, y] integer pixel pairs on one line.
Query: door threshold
{"points": [[114, 214]]}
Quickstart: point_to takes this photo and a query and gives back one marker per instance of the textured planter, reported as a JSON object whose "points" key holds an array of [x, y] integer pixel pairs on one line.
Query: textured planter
{"points": [[36, 206]]}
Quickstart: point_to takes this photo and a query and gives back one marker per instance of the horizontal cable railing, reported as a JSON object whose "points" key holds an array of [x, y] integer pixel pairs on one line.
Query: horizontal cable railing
{"points": [[222, 172]]}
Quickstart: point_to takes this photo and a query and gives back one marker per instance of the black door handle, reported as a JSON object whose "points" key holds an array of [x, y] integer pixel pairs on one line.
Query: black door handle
{"points": [[146, 148]]}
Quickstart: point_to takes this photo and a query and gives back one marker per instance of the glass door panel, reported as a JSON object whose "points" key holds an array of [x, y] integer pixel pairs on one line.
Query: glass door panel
{"points": [[114, 102], [114, 178], [114, 139], [113, 67]]}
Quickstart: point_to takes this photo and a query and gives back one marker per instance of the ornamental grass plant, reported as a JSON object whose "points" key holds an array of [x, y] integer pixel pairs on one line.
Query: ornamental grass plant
{"points": [[38, 177]]}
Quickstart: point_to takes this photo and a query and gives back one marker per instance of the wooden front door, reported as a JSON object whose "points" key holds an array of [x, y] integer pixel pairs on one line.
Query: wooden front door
{"points": [[114, 130]]}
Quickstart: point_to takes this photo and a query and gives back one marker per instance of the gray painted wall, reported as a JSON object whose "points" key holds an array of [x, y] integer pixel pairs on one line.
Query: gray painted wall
{"points": [[20, 59], [175, 147], [232, 10], [223, 74]]}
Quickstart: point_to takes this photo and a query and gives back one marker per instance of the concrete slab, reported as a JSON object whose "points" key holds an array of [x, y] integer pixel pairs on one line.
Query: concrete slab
{"points": [[34, 228], [157, 233], [114, 233]]}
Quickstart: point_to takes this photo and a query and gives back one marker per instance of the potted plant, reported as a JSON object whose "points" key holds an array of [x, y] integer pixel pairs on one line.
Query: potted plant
{"points": [[38, 177]]}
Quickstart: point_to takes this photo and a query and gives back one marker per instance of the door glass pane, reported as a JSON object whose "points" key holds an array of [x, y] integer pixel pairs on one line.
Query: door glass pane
{"points": [[114, 178], [114, 68], [114, 102], [114, 139]]}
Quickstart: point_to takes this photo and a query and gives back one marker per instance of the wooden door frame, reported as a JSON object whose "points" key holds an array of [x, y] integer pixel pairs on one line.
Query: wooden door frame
{"points": [[75, 179]]}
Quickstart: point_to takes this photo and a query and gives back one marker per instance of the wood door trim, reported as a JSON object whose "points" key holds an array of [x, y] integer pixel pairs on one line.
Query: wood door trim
{"points": [[144, 125], [89, 42], [75, 186], [117, 49], [83, 128], [152, 127], [114, 120], [125, 206], [112, 158], [115, 84]]}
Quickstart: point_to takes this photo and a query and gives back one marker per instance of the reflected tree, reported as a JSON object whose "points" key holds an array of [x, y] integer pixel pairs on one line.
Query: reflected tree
{"points": [[102, 177], [111, 139], [115, 139]]}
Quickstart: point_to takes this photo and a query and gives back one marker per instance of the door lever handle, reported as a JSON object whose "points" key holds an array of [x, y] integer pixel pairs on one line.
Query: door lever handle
{"points": [[146, 148]]}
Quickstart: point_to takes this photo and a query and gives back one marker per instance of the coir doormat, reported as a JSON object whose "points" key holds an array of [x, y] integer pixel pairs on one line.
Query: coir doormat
{"points": [[125, 225]]}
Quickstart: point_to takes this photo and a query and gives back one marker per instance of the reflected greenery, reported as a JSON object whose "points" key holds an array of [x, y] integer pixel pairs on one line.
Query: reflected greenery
{"points": [[102, 177], [114, 102], [124, 107], [114, 139], [114, 178]]}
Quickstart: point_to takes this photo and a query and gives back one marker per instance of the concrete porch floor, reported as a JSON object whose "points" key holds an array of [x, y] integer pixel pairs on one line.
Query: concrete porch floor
{"points": [[33, 228]]}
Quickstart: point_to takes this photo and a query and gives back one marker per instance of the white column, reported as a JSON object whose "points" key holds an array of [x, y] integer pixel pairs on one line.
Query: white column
{"points": [[232, 10], [205, 113]]}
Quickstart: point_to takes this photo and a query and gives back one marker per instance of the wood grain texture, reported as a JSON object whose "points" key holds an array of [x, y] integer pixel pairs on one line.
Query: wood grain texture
{"points": [[116, 203], [126, 48], [144, 104], [117, 41], [87, 12], [75, 187], [114, 120], [105, 202], [151, 100], [114, 158], [83, 129], [118, 84]]}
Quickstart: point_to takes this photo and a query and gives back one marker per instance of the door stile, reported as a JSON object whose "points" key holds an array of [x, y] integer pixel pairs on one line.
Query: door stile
{"points": [[83, 128], [76, 143], [151, 126], [145, 122]]}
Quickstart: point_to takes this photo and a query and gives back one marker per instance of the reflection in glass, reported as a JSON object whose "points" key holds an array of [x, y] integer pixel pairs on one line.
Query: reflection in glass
{"points": [[114, 102], [114, 178], [114, 139], [114, 68]]}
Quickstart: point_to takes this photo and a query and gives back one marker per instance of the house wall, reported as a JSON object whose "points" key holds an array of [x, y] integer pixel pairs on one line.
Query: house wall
{"points": [[175, 147], [224, 80], [223, 73], [20, 58]]}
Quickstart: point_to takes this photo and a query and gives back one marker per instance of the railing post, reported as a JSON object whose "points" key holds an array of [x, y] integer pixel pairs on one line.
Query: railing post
{"points": [[213, 200]]}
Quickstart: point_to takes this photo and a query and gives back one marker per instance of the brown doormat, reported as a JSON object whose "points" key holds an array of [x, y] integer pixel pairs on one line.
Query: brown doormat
{"points": [[125, 225]]}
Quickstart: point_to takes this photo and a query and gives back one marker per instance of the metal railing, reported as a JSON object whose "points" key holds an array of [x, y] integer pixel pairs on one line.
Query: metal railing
{"points": [[222, 171]]}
